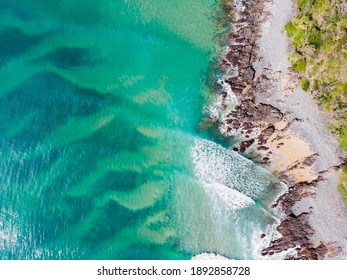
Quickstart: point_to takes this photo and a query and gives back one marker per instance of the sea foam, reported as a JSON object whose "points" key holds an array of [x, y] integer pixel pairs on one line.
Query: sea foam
{"points": [[232, 199], [216, 164], [209, 256]]}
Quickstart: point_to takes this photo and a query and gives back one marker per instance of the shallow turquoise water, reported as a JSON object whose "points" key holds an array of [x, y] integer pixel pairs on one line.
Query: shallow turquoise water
{"points": [[101, 157]]}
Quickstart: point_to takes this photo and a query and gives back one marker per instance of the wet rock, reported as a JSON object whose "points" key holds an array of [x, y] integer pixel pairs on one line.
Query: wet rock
{"points": [[295, 230], [262, 148], [246, 144], [296, 193]]}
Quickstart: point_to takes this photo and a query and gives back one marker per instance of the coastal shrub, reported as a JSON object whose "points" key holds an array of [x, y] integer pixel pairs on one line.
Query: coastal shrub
{"points": [[314, 37], [299, 65], [343, 183], [325, 99], [291, 29], [305, 84], [343, 191], [316, 85], [343, 23], [343, 137], [319, 34], [296, 33], [319, 39], [302, 4], [298, 62]]}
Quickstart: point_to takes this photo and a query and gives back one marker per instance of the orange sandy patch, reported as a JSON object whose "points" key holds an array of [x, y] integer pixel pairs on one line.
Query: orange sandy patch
{"points": [[289, 151], [281, 125]]}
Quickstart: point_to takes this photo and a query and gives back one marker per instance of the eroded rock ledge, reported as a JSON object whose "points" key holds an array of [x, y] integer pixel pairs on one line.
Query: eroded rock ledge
{"points": [[267, 132]]}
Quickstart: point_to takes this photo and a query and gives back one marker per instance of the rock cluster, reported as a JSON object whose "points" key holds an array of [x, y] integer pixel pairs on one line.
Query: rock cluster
{"points": [[296, 233], [295, 229], [252, 123]]}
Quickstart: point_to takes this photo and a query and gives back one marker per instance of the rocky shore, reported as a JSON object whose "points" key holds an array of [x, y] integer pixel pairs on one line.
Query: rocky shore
{"points": [[280, 126]]}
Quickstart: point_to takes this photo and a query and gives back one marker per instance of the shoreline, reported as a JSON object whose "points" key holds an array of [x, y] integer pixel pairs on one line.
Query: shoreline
{"points": [[282, 128]]}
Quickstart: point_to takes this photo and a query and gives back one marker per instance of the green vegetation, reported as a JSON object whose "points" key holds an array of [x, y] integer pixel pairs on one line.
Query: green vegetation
{"points": [[343, 191], [298, 62], [342, 185], [305, 84], [319, 39]]}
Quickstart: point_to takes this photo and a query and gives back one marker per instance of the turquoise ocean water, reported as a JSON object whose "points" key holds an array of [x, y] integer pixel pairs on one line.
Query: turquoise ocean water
{"points": [[101, 156]]}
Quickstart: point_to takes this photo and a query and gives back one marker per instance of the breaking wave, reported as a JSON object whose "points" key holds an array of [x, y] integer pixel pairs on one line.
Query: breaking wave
{"points": [[209, 256], [216, 164]]}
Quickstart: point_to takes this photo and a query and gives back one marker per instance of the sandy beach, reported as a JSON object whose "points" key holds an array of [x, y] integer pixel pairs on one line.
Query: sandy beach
{"points": [[291, 138]]}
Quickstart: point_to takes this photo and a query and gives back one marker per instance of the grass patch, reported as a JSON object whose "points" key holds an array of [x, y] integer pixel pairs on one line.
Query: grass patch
{"points": [[314, 37], [343, 139], [291, 29], [343, 191], [343, 183], [305, 84], [298, 62]]}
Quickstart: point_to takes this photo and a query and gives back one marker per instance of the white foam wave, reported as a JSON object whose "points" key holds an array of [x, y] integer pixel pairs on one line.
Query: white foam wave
{"points": [[215, 164], [209, 256], [232, 199], [214, 109], [223, 103], [231, 97]]}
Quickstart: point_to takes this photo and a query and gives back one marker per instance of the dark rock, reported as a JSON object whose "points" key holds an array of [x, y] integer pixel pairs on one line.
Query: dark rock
{"points": [[246, 144], [262, 148], [295, 230], [309, 161]]}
